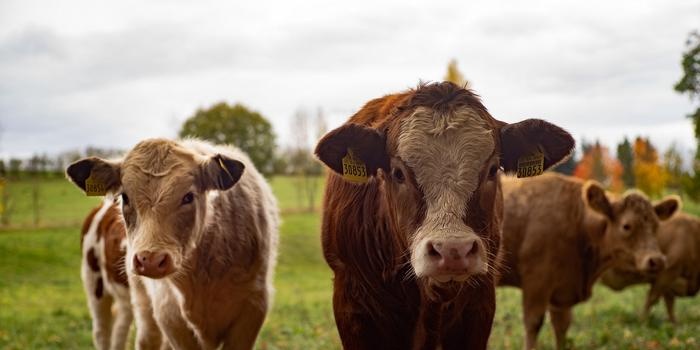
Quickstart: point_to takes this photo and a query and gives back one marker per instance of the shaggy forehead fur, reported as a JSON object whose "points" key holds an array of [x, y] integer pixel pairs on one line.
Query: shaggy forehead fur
{"points": [[446, 152], [156, 167], [636, 203]]}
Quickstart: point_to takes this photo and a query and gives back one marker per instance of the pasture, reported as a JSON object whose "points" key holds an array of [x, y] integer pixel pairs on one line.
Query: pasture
{"points": [[42, 305]]}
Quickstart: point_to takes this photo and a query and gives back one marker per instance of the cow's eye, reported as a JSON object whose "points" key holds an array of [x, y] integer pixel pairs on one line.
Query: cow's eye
{"points": [[626, 227], [398, 175], [493, 171], [125, 199], [188, 198]]}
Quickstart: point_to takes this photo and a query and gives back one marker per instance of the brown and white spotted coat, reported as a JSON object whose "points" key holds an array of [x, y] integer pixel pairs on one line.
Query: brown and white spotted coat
{"points": [[413, 249], [202, 238], [104, 277]]}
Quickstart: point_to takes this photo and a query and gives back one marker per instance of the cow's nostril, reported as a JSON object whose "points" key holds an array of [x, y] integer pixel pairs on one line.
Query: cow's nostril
{"points": [[432, 251], [474, 249], [163, 262]]}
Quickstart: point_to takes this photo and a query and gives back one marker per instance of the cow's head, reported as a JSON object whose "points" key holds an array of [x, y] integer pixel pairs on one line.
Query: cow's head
{"points": [[631, 222], [436, 158], [163, 188]]}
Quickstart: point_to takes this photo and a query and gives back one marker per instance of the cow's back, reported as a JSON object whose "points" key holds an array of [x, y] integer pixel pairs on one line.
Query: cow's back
{"points": [[542, 223]]}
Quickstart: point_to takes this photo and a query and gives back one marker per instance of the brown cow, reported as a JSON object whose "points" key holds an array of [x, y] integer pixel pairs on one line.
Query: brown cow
{"points": [[412, 227], [103, 246], [679, 239], [201, 240], [560, 234]]}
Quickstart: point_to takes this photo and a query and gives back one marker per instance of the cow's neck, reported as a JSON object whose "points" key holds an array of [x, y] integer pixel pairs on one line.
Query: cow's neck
{"points": [[596, 256]]}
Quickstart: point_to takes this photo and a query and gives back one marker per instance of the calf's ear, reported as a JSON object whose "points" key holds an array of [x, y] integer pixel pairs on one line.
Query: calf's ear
{"points": [[95, 176], [357, 147], [534, 136], [595, 198], [667, 207], [220, 173]]}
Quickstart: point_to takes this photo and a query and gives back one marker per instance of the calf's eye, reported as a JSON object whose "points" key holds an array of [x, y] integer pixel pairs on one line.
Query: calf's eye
{"points": [[626, 227], [398, 175], [493, 171], [125, 199], [188, 198]]}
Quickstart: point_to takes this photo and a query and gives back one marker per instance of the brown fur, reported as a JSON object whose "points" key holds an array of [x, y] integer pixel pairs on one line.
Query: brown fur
{"points": [[367, 232], [679, 240], [559, 235]]}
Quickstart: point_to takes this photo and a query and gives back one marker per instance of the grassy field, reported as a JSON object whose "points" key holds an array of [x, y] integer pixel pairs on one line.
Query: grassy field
{"points": [[42, 304]]}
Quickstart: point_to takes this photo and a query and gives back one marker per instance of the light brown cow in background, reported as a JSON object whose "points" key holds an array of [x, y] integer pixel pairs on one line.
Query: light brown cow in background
{"points": [[102, 270], [679, 239], [201, 240], [560, 234]]}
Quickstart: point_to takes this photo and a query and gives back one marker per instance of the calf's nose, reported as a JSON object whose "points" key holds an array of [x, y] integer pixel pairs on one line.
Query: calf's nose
{"points": [[153, 264], [655, 263], [453, 255]]}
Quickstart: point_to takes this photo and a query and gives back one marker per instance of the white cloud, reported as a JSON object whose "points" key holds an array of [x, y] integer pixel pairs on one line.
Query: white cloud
{"points": [[79, 72]]}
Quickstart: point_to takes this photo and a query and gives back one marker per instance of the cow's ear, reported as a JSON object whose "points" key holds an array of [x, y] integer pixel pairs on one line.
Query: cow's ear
{"points": [[353, 144], [667, 207], [95, 176], [220, 173], [531, 137], [595, 198]]}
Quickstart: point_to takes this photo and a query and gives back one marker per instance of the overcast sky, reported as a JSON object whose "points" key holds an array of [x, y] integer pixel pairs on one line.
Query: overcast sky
{"points": [[78, 73]]}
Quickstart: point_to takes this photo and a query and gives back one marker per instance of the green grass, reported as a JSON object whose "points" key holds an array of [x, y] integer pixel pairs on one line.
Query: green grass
{"points": [[42, 304]]}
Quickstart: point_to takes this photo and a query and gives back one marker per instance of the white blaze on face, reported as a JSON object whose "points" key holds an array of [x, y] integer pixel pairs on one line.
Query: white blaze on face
{"points": [[446, 154]]}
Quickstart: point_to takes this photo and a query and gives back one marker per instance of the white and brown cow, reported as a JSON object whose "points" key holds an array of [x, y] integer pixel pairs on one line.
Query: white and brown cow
{"points": [[201, 240], [104, 277]]}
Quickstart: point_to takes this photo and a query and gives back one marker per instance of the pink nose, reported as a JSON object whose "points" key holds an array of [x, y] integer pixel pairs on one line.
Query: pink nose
{"points": [[453, 255], [153, 264], [655, 263]]}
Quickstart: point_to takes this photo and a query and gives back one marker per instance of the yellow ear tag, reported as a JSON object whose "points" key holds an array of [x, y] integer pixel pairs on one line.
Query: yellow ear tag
{"points": [[94, 187], [531, 165], [354, 170]]}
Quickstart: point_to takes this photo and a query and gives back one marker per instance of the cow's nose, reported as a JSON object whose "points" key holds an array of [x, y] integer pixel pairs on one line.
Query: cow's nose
{"points": [[656, 263], [153, 264], [453, 255]]}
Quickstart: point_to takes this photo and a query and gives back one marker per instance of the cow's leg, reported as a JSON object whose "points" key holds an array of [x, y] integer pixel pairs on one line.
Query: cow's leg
{"points": [[122, 323], [561, 320], [245, 331], [669, 300], [148, 334], [652, 298], [101, 312], [171, 322], [534, 308]]}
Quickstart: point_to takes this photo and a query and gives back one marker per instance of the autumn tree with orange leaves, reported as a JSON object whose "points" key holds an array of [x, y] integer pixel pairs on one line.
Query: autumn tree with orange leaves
{"points": [[650, 176], [597, 164]]}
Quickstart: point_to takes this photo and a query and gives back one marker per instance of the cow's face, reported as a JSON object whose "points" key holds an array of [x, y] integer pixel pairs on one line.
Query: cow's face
{"points": [[631, 225], [163, 189], [437, 160]]}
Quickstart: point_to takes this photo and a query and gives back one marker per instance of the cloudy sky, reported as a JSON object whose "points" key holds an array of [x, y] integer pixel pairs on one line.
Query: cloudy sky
{"points": [[78, 73]]}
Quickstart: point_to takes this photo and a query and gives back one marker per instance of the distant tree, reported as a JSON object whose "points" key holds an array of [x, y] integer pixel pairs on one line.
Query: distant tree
{"points": [[649, 175], [236, 125], [3, 170], [301, 162], [454, 75], [626, 158], [15, 168], [689, 84], [597, 164], [673, 167]]}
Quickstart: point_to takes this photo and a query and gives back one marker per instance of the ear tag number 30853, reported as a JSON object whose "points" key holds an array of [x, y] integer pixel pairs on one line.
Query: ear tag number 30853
{"points": [[354, 170], [531, 165], [94, 187]]}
